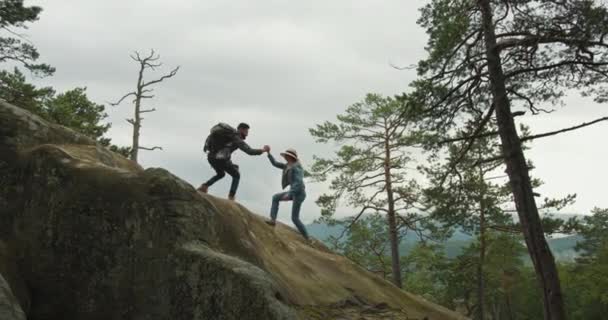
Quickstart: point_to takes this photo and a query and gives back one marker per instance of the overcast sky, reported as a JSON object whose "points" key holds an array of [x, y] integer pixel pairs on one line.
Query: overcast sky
{"points": [[281, 66]]}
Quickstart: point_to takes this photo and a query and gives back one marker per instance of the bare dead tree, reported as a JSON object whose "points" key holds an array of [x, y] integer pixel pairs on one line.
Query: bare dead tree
{"points": [[143, 91]]}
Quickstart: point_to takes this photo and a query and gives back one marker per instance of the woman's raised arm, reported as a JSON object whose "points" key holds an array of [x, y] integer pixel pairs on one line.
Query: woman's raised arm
{"points": [[276, 163]]}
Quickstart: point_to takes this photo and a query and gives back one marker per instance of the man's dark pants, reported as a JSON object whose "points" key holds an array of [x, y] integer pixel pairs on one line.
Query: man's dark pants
{"points": [[221, 167]]}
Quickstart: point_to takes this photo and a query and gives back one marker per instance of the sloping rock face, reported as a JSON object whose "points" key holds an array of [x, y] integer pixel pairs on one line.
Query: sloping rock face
{"points": [[87, 234], [13, 295], [10, 309]]}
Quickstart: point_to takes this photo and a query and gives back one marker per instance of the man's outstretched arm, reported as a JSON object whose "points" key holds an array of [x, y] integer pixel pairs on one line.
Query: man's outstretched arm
{"points": [[249, 150]]}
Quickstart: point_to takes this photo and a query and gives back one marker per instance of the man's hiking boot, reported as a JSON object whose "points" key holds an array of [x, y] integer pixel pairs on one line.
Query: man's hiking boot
{"points": [[203, 188], [231, 197], [270, 222]]}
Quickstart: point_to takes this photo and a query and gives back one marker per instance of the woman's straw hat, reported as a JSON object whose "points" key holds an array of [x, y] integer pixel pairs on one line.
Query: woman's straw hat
{"points": [[290, 153]]}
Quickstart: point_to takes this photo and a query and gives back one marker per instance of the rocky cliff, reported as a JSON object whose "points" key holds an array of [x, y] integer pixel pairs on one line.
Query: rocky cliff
{"points": [[87, 234]]}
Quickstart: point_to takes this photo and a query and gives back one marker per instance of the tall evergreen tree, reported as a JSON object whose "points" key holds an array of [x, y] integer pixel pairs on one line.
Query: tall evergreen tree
{"points": [[370, 169], [465, 199], [467, 192], [14, 15], [499, 58]]}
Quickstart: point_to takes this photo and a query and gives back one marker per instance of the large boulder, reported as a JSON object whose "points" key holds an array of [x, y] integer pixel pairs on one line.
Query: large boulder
{"points": [[94, 236], [14, 298], [10, 309]]}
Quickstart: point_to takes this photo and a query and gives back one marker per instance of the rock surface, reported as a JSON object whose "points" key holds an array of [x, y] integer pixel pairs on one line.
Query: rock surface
{"points": [[10, 309], [87, 234]]}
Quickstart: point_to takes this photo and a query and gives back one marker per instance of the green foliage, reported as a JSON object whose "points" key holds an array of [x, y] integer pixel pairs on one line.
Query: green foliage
{"points": [[369, 171], [73, 109], [447, 24], [511, 287], [524, 295], [585, 282], [544, 51], [463, 187], [487, 61], [366, 244], [14, 89], [452, 282], [426, 272], [585, 286], [13, 14], [502, 266], [366, 133], [124, 151], [594, 230], [460, 190]]}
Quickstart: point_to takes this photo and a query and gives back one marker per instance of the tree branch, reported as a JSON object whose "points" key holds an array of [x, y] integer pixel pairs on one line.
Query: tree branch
{"points": [[466, 149], [352, 223], [535, 40], [508, 229], [482, 135], [167, 76], [555, 65], [552, 133], [150, 149], [488, 160], [371, 184], [19, 35], [123, 98]]}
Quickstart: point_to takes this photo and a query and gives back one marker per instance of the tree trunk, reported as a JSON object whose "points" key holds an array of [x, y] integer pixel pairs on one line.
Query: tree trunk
{"points": [[136, 127], [519, 179], [509, 308], [482, 255], [495, 311], [137, 119], [392, 219], [480, 280]]}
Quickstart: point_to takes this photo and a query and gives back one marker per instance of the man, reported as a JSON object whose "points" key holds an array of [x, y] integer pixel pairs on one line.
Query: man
{"points": [[220, 145]]}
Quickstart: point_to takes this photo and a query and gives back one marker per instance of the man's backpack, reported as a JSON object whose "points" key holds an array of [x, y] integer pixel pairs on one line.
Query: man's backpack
{"points": [[220, 136]]}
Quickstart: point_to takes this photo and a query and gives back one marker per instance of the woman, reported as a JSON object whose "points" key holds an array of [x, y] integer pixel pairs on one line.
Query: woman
{"points": [[293, 176]]}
